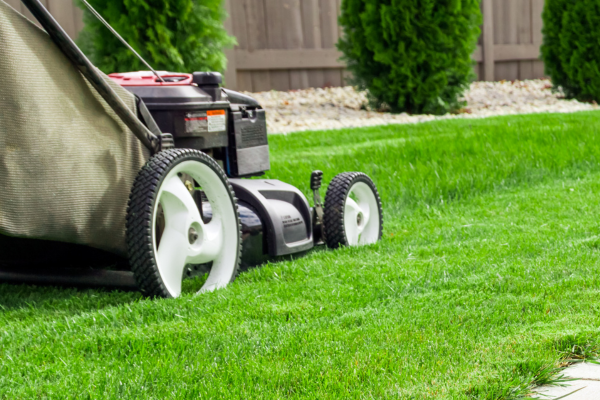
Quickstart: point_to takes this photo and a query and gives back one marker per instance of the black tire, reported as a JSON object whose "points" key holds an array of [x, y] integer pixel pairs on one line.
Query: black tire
{"points": [[142, 202], [335, 201]]}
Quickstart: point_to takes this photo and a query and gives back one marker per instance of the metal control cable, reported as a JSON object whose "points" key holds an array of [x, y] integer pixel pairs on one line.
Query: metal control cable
{"points": [[110, 28]]}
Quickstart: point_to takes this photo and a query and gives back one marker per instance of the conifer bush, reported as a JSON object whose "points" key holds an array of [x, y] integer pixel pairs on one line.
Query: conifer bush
{"points": [[411, 55], [172, 35], [571, 48]]}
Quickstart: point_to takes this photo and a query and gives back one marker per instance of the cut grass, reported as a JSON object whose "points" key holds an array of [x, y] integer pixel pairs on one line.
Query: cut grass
{"points": [[486, 279]]}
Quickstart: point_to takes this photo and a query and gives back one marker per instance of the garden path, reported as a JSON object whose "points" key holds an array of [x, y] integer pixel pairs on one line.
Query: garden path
{"points": [[584, 386]]}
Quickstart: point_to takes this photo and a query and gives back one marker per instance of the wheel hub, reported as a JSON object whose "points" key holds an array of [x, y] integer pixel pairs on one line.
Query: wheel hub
{"points": [[192, 235]]}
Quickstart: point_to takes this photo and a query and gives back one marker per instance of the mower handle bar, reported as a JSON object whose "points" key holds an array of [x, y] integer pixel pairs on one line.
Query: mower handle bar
{"points": [[89, 71]]}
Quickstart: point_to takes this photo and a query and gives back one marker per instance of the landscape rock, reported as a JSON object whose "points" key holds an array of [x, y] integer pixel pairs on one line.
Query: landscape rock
{"points": [[345, 107]]}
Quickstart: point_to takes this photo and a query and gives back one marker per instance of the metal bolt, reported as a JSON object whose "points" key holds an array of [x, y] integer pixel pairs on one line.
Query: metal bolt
{"points": [[192, 236]]}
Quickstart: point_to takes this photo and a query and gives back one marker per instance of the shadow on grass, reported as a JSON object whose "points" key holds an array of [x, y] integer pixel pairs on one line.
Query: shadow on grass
{"points": [[61, 298], [72, 299]]}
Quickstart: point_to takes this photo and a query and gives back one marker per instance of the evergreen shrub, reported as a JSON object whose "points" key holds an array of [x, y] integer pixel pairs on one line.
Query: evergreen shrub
{"points": [[172, 35], [571, 48], [411, 55]]}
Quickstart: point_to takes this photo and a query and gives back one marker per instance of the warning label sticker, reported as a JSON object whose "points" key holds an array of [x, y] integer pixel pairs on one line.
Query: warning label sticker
{"points": [[197, 122], [216, 120]]}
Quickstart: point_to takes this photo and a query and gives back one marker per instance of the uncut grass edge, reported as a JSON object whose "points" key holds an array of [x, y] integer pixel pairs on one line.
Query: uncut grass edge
{"points": [[570, 349]]}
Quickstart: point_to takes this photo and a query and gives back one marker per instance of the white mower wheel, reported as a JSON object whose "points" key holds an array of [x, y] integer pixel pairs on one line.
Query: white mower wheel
{"points": [[165, 229], [352, 215]]}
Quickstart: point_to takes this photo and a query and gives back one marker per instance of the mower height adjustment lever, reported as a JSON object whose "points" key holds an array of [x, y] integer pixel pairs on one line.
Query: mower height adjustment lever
{"points": [[315, 180], [166, 141], [315, 184]]}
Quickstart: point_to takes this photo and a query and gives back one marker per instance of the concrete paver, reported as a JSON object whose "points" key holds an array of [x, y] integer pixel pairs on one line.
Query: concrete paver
{"points": [[585, 386], [583, 371], [577, 390]]}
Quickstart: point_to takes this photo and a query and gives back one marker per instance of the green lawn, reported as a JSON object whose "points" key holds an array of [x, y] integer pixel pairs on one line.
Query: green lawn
{"points": [[487, 277]]}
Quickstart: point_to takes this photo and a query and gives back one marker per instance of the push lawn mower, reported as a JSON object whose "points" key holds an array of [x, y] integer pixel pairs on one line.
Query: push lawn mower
{"points": [[192, 209]]}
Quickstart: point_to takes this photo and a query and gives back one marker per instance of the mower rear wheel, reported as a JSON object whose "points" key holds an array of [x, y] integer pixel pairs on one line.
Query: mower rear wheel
{"points": [[352, 215], [166, 233]]}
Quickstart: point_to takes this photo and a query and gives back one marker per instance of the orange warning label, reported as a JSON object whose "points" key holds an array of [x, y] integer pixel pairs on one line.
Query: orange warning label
{"points": [[216, 120]]}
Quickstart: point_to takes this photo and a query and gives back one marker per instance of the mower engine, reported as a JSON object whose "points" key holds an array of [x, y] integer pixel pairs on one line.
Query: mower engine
{"points": [[229, 126]]}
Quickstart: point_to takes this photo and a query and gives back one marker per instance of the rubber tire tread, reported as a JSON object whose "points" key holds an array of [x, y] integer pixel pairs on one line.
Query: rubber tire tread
{"points": [[140, 209], [335, 199]]}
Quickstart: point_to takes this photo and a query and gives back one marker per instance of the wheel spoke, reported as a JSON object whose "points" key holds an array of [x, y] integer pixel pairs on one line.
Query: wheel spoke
{"points": [[172, 255], [178, 204], [212, 244], [174, 250], [351, 211], [352, 206]]}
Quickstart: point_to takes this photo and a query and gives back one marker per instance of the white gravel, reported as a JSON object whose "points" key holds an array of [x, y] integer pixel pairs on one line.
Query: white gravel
{"points": [[344, 107]]}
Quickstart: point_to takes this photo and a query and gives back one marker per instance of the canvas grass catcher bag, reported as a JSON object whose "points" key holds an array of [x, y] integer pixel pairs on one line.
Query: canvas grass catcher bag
{"points": [[67, 162]]}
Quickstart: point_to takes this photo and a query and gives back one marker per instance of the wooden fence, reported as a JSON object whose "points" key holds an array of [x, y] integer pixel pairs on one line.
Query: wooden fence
{"points": [[290, 44], [509, 47], [65, 12], [284, 44]]}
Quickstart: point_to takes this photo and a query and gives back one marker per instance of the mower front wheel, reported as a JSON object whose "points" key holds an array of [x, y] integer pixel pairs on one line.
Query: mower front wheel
{"points": [[352, 215], [166, 232]]}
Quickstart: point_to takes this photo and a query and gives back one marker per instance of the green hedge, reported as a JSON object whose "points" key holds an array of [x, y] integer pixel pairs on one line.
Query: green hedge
{"points": [[172, 35], [411, 55], [571, 48]]}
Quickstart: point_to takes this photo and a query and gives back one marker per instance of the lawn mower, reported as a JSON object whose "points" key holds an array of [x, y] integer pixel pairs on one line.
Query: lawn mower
{"points": [[198, 205]]}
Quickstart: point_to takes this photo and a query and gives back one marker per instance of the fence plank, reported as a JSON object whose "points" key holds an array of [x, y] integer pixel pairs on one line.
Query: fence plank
{"points": [[63, 12], [238, 28], [337, 76], [244, 81], [294, 39], [231, 68], [257, 40], [499, 27], [16, 4], [329, 29], [525, 37], [261, 81], [511, 35], [488, 40], [280, 79], [329, 24], [288, 59], [339, 12], [537, 7], [329, 58], [68, 15], [516, 52], [311, 20], [311, 24]]}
